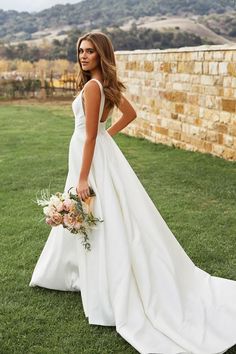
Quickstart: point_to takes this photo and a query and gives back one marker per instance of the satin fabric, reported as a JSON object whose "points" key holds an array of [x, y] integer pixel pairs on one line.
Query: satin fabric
{"points": [[137, 277]]}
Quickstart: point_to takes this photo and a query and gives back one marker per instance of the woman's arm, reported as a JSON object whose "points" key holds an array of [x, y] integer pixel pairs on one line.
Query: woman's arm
{"points": [[128, 115], [92, 98]]}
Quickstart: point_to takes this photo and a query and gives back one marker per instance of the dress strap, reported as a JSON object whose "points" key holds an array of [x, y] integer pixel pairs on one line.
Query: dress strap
{"points": [[102, 98]]}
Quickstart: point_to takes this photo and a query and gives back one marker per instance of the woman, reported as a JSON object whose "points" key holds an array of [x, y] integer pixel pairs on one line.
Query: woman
{"points": [[137, 276]]}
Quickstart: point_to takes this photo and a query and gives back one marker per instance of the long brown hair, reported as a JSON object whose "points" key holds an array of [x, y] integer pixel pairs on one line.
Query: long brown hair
{"points": [[112, 86]]}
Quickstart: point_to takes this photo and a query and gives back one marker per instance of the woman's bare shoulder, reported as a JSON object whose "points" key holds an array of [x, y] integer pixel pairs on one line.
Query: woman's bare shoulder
{"points": [[91, 87]]}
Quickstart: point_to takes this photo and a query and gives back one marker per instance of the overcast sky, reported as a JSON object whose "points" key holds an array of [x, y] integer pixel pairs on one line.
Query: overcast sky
{"points": [[30, 5]]}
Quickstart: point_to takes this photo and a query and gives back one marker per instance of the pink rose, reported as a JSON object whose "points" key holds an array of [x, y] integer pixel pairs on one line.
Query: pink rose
{"points": [[50, 222], [68, 205], [60, 206], [57, 218]]}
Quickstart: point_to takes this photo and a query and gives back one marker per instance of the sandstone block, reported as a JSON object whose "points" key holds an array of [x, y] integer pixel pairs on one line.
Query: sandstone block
{"points": [[185, 137], [218, 55], [148, 66], [198, 121], [198, 67], [185, 67], [222, 128], [205, 68], [228, 140], [193, 99], [208, 56], [174, 116], [175, 125], [225, 117], [210, 101], [228, 92], [228, 153], [165, 67], [231, 69], [232, 129], [197, 143], [178, 86], [161, 130], [220, 139], [218, 149], [175, 96], [213, 68], [177, 135], [227, 81], [207, 146], [228, 105], [194, 130], [211, 90], [212, 136], [192, 111], [194, 79], [207, 80], [233, 83], [223, 68], [228, 56], [184, 77], [179, 108], [202, 111]]}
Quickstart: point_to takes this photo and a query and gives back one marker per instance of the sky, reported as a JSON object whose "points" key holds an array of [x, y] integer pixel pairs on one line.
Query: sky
{"points": [[30, 6]]}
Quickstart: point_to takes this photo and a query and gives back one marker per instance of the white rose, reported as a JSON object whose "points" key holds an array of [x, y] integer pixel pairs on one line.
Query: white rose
{"points": [[46, 210], [54, 200], [65, 196], [49, 210]]}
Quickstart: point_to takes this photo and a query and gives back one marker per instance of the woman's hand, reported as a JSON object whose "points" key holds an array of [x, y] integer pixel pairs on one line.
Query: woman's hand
{"points": [[82, 189]]}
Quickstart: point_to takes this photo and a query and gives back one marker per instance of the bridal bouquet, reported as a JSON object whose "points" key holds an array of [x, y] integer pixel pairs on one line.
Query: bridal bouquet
{"points": [[68, 210]]}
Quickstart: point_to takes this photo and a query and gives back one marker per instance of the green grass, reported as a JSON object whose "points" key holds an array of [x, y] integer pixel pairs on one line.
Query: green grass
{"points": [[195, 193]]}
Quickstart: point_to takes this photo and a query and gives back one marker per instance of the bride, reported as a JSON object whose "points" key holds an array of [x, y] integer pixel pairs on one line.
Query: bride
{"points": [[136, 277]]}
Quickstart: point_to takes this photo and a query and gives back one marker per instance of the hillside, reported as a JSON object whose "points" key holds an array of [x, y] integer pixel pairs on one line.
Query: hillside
{"points": [[193, 25], [90, 14], [222, 24]]}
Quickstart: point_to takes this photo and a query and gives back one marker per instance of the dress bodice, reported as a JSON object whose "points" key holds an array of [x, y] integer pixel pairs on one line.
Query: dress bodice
{"points": [[78, 110]]}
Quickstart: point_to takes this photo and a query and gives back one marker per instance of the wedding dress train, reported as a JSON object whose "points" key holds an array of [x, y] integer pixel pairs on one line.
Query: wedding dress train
{"points": [[137, 276]]}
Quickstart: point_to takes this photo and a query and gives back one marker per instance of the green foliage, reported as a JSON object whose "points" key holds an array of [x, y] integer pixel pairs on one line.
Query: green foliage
{"points": [[21, 51], [19, 88], [146, 38], [135, 38], [223, 24], [194, 192]]}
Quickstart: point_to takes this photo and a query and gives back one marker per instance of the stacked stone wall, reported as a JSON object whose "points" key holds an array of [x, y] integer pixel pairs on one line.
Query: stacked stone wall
{"points": [[184, 97]]}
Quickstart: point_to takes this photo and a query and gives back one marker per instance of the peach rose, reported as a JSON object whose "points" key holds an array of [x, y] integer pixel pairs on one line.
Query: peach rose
{"points": [[50, 222], [69, 220], [57, 218], [77, 225]]}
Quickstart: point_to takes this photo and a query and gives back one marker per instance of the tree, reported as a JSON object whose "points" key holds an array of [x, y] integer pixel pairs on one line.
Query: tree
{"points": [[4, 65]]}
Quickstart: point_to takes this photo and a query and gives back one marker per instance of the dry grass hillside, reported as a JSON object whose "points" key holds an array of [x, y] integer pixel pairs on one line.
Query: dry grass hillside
{"points": [[180, 23]]}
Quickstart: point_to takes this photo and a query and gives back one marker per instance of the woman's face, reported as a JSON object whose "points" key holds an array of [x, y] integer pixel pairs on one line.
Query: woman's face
{"points": [[88, 56]]}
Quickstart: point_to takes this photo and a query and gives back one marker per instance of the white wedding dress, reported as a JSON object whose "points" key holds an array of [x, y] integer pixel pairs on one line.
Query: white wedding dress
{"points": [[137, 276]]}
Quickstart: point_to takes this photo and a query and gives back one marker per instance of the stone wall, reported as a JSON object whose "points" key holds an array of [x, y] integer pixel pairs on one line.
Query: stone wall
{"points": [[184, 97]]}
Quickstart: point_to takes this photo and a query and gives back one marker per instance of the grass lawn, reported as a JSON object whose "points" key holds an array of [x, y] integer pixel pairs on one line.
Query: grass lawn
{"points": [[195, 193]]}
